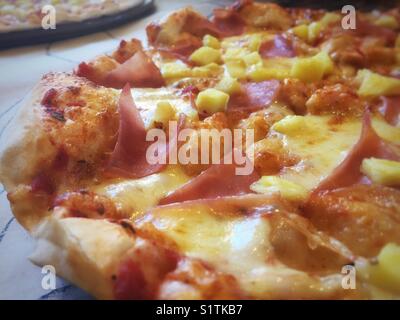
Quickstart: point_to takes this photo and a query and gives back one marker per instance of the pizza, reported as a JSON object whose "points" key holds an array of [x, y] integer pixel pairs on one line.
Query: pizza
{"points": [[316, 217], [28, 14]]}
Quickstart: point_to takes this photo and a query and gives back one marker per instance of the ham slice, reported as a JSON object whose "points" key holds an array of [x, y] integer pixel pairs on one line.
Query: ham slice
{"points": [[186, 28], [390, 109], [219, 180], [369, 145], [228, 22], [255, 95], [129, 155], [139, 71], [277, 47]]}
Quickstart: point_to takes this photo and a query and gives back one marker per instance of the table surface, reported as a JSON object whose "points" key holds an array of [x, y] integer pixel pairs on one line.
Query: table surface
{"points": [[20, 69]]}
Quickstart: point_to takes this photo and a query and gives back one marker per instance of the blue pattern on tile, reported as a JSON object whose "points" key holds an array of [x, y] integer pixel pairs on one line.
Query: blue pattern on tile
{"points": [[52, 55], [6, 125], [66, 292], [10, 108], [4, 231], [56, 292]]}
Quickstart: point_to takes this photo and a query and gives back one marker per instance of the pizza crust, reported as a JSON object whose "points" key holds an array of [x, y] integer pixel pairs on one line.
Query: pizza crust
{"points": [[84, 251], [24, 143], [24, 146], [31, 143]]}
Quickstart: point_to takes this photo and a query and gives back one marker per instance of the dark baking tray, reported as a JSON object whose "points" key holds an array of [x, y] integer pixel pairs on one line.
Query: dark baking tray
{"points": [[338, 4], [74, 29]]}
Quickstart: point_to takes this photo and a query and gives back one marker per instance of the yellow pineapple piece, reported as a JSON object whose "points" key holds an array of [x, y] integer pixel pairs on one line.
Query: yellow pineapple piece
{"points": [[374, 84], [255, 42], [175, 70], [382, 171], [314, 29], [385, 130], [235, 54], [205, 55], [290, 125], [163, 113], [236, 69], [387, 21], [228, 85], [328, 18], [210, 70], [313, 68], [287, 189], [211, 101], [252, 59], [212, 42], [386, 273], [260, 73], [301, 31]]}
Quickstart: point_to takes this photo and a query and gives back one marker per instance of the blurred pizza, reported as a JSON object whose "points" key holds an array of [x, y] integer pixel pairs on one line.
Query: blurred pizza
{"points": [[28, 14]]}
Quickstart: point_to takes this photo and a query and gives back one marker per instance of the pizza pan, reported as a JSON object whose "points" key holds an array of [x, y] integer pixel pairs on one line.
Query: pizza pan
{"points": [[74, 29], [338, 4]]}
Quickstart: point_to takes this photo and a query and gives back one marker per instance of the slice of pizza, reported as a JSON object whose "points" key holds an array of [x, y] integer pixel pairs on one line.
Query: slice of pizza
{"points": [[28, 14], [317, 217]]}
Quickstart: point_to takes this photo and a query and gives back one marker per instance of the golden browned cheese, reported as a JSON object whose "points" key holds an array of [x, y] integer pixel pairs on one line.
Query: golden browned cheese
{"points": [[365, 218], [193, 279]]}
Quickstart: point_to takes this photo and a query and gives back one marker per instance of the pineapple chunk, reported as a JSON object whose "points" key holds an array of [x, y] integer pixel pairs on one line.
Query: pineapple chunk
{"points": [[387, 22], [259, 73], [314, 29], [386, 131], [313, 68], [374, 84], [212, 42], [290, 125], [228, 85], [163, 113], [382, 171], [211, 101], [205, 55], [288, 189], [301, 31], [386, 273], [255, 42], [211, 70], [236, 69], [235, 54], [329, 18], [175, 70], [252, 59]]}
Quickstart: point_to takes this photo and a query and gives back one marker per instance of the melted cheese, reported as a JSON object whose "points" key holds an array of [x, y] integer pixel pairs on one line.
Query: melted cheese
{"points": [[138, 195], [235, 244], [321, 144], [147, 100], [251, 41]]}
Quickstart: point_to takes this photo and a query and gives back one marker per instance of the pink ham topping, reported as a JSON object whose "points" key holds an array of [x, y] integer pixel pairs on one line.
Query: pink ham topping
{"points": [[369, 145], [277, 47], [255, 95], [390, 109], [129, 156], [219, 180], [139, 71]]}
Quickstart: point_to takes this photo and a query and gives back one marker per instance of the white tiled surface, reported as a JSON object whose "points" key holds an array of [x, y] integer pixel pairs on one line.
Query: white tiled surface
{"points": [[20, 69]]}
